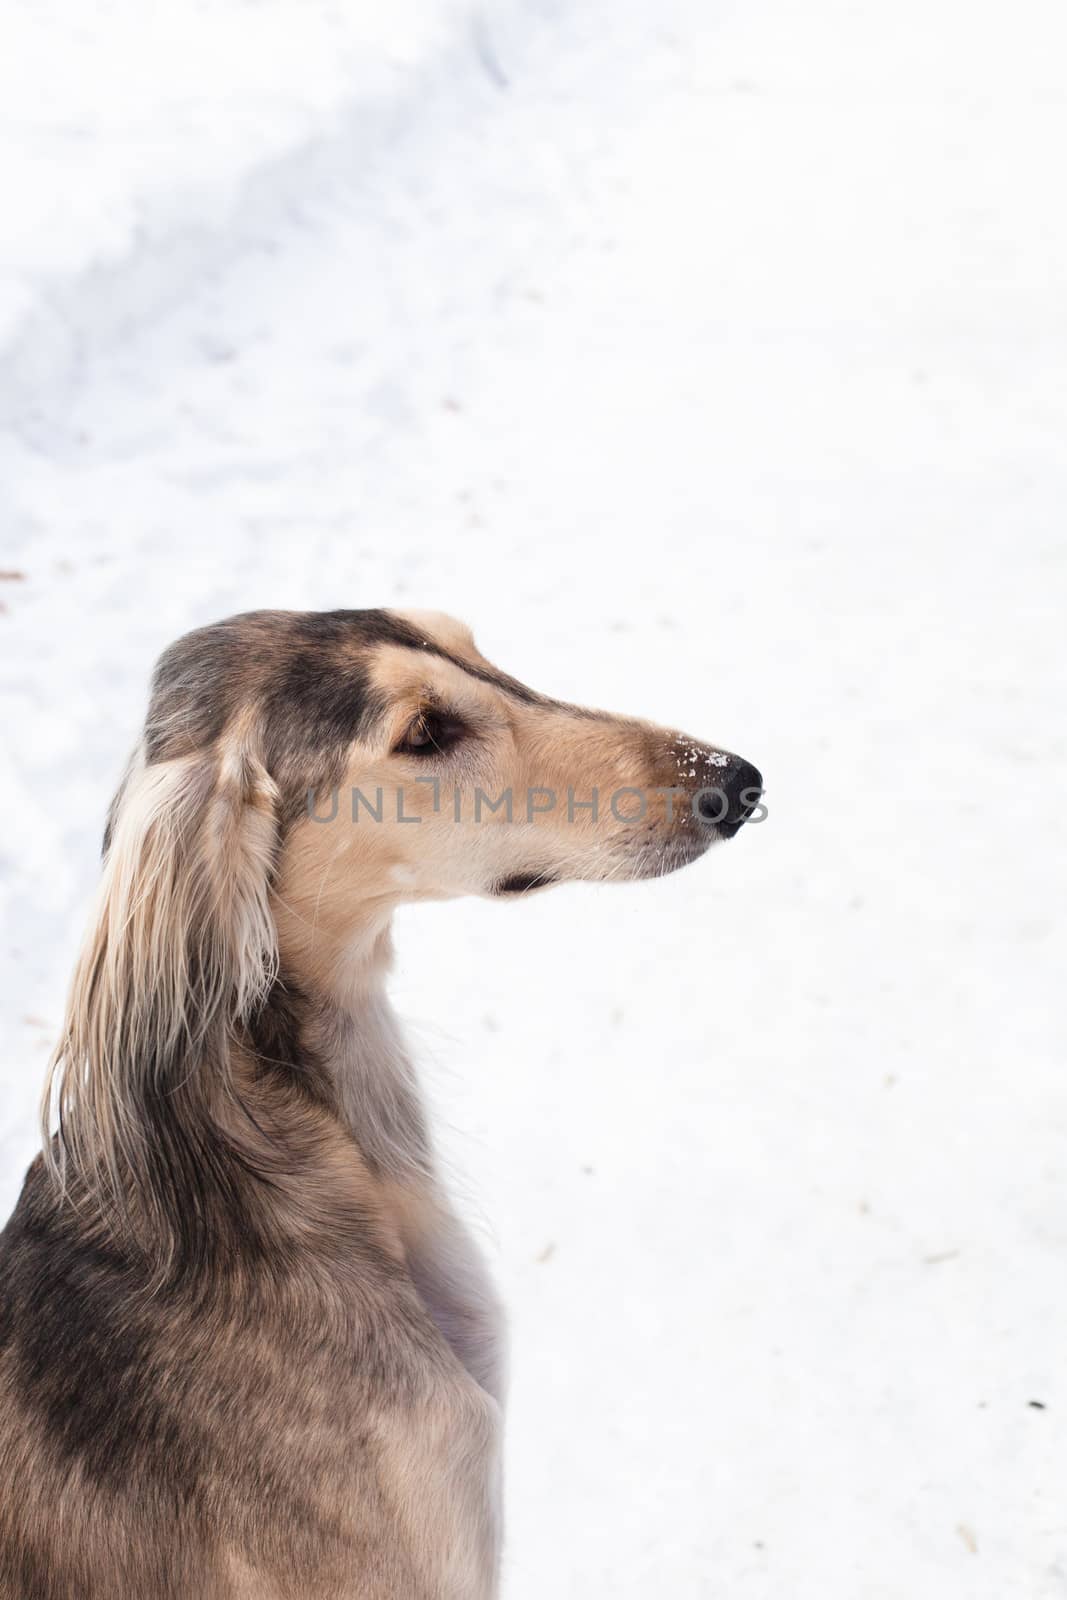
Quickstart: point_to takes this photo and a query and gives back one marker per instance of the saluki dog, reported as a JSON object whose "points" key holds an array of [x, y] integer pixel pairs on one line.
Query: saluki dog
{"points": [[247, 1351]]}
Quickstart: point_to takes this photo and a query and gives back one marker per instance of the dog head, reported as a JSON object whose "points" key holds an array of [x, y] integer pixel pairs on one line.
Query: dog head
{"points": [[454, 778], [300, 775]]}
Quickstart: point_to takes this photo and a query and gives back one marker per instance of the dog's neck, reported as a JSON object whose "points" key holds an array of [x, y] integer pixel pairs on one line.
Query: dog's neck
{"points": [[361, 1049], [343, 1026]]}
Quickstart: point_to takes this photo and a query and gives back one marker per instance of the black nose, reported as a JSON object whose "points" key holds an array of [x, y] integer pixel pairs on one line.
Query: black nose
{"points": [[731, 799]]}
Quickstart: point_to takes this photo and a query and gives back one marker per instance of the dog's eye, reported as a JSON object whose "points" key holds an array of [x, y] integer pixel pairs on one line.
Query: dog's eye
{"points": [[430, 733], [418, 737]]}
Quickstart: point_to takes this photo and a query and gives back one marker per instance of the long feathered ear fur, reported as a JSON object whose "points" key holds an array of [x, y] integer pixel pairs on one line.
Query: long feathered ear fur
{"points": [[181, 948]]}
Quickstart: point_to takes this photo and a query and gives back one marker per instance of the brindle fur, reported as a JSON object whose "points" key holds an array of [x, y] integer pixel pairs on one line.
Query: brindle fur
{"points": [[247, 1351]]}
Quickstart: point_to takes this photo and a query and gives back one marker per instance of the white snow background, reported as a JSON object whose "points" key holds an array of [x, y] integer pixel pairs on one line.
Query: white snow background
{"points": [[710, 360]]}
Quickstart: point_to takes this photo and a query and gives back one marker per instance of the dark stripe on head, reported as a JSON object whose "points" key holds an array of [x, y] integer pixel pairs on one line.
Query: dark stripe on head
{"points": [[499, 680]]}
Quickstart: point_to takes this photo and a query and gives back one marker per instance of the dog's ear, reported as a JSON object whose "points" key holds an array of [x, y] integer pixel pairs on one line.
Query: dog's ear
{"points": [[181, 948]]}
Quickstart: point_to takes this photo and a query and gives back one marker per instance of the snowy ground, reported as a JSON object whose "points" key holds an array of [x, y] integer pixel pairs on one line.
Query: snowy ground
{"points": [[710, 360]]}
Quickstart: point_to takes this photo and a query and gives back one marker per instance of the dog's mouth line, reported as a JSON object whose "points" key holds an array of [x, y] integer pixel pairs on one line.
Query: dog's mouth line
{"points": [[523, 882]]}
